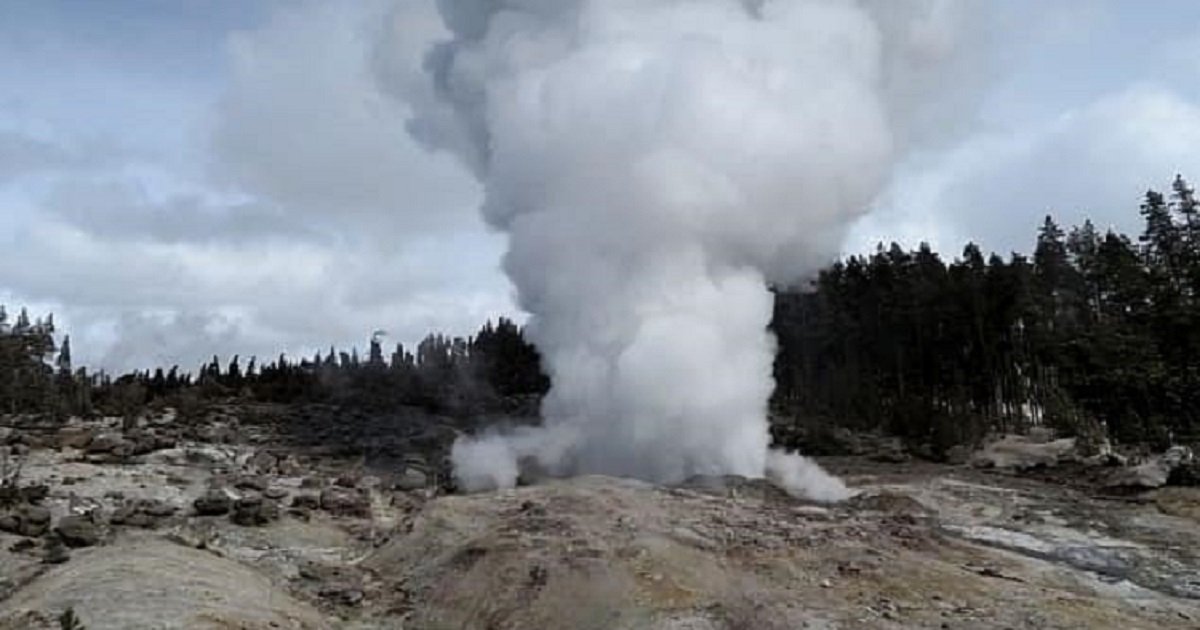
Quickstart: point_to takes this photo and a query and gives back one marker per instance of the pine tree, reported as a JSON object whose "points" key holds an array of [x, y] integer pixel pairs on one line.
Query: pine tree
{"points": [[375, 356], [1186, 205], [1083, 245], [1054, 275], [1160, 238], [22, 326], [64, 356], [233, 375]]}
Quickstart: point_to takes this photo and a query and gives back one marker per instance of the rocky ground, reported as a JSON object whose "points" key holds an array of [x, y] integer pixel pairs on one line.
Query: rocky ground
{"points": [[317, 517]]}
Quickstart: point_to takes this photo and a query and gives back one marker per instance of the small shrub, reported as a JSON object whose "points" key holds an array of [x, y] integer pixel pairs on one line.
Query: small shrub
{"points": [[10, 479], [68, 620]]}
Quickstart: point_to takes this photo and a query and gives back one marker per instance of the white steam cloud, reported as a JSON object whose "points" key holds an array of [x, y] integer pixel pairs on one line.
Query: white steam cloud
{"points": [[655, 164]]}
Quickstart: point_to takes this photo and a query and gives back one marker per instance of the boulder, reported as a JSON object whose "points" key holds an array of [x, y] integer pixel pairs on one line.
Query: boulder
{"points": [[144, 513], [55, 551], [250, 482], [262, 462], [35, 520], [412, 479], [306, 501], [78, 531], [133, 518], [346, 502], [254, 511], [155, 507], [145, 442], [1178, 456], [104, 443], [1107, 459], [1145, 476], [289, 467], [23, 545], [18, 438], [1019, 453], [1186, 474], [75, 437], [213, 503], [26, 520], [198, 456], [34, 494], [1153, 473]]}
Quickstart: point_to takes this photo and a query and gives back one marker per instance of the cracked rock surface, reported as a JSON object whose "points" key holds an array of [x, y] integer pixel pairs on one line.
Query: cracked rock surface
{"points": [[310, 518]]}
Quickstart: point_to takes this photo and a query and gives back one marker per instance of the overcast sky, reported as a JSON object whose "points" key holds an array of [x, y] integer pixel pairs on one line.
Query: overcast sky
{"points": [[179, 178]]}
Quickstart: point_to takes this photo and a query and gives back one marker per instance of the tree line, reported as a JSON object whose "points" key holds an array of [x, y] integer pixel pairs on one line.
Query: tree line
{"points": [[496, 370], [35, 373], [1097, 335]]}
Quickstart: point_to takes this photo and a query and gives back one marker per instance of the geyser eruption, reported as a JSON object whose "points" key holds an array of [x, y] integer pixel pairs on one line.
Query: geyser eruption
{"points": [[655, 164]]}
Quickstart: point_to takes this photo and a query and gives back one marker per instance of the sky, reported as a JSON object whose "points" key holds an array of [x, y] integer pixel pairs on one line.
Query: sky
{"points": [[180, 178]]}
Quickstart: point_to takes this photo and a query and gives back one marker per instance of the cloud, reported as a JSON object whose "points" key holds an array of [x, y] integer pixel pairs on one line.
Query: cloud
{"points": [[257, 190], [303, 216], [269, 296], [21, 154], [145, 339], [304, 123], [119, 208], [994, 188]]}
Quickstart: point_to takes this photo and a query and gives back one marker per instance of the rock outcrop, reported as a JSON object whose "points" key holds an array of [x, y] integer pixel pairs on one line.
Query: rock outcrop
{"points": [[1020, 453], [153, 583], [1153, 473], [233, 524], [722, 553]]}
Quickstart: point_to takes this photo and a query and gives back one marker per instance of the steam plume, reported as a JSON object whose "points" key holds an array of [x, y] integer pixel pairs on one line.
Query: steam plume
{"points": [[655, 164]]}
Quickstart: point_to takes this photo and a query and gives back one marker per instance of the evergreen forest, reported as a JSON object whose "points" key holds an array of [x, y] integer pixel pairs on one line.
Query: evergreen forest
{"points": [[1095, 334]]}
